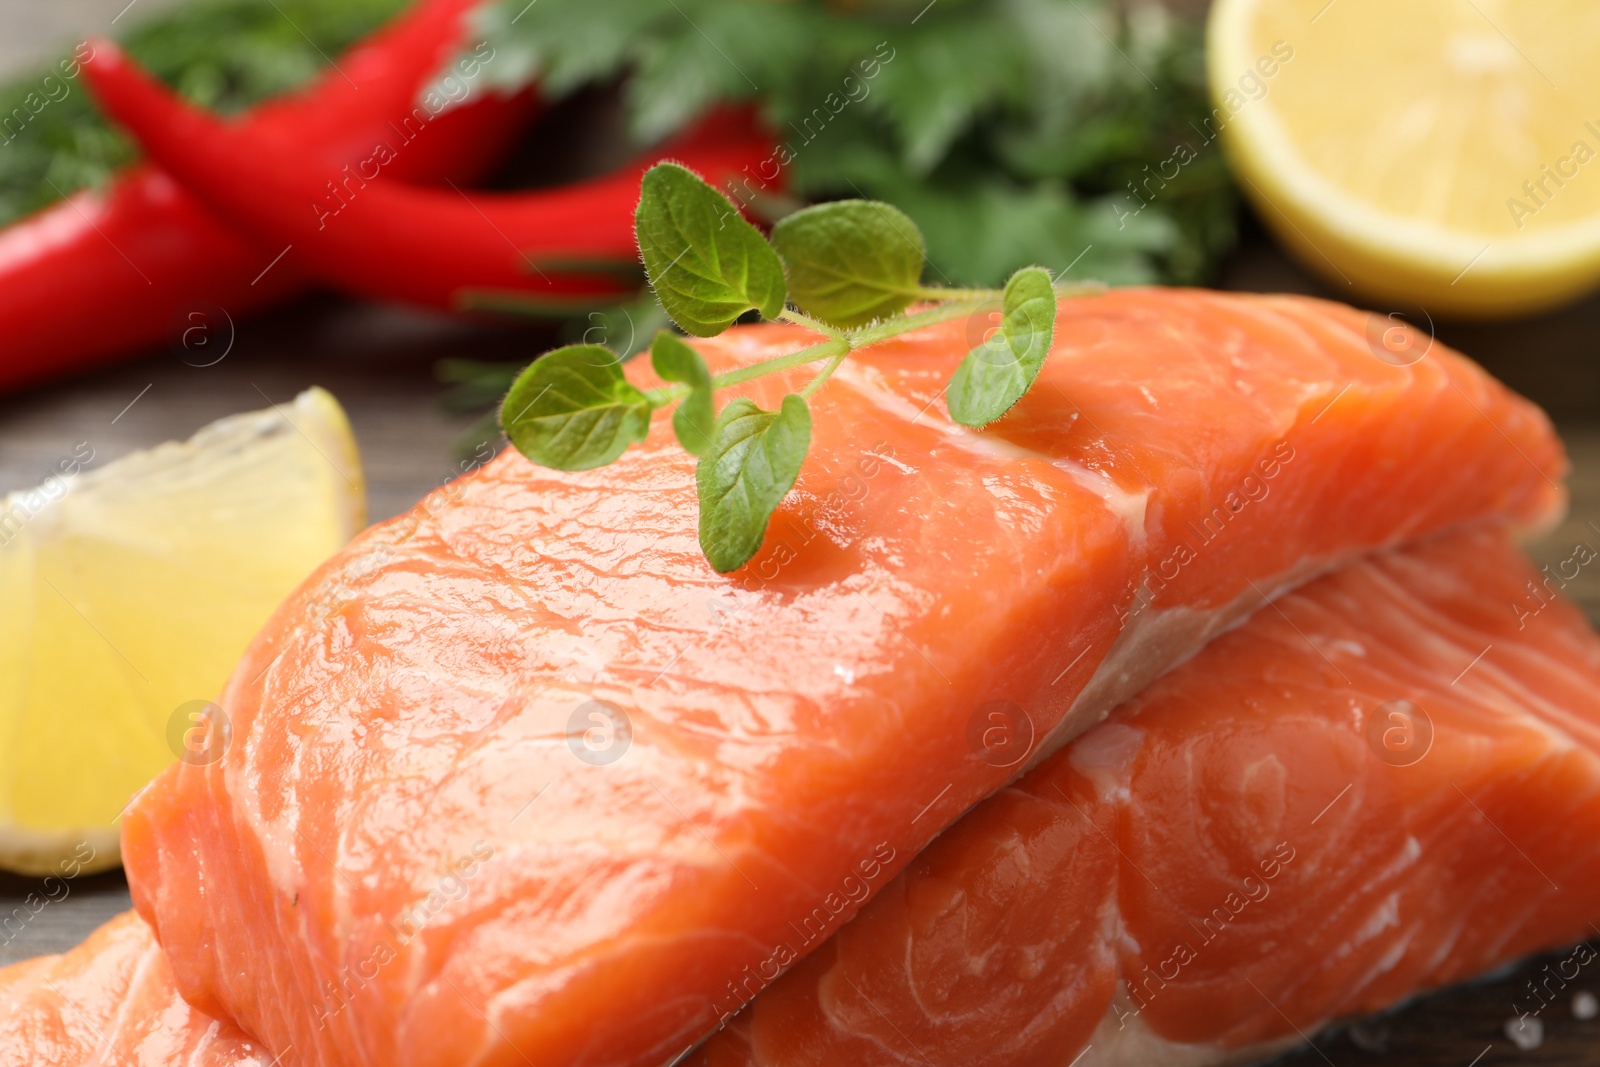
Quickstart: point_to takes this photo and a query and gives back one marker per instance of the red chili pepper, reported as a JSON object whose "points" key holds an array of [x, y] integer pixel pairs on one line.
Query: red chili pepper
{"points": [[103, 273], [547, 248]]}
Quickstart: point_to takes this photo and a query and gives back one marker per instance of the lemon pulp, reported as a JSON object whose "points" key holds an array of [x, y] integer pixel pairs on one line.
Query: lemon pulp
{"points": [[1437, 152], [130, 590]]}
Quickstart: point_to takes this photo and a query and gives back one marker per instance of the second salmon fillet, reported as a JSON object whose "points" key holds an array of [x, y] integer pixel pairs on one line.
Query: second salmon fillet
{"points": [[518, 778], [1387, 783]]}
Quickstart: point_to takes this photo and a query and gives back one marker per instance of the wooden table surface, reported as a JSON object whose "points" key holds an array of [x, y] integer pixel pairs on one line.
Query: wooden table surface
{"points": [[379, 362]]}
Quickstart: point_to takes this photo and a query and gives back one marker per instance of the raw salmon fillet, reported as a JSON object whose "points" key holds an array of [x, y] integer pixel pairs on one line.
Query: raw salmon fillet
{"points": [[111, 1002], [1251, 847], [517, 778], [998, 945]]}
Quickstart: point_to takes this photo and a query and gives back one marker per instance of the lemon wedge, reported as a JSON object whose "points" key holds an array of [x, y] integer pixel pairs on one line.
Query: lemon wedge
{"points": [[130, 590], [1441, 153]]}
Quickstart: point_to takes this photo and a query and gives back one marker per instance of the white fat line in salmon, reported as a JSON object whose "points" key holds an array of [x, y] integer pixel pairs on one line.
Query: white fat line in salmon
{"points": [[1543, 594], [403, 928], [813, 929], [1539, 985], [1142, 989], [1252, 489], [34, 902]]}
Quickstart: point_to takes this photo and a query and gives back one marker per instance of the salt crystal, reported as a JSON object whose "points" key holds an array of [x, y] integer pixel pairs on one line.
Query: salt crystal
{"points": [[1370, 1035], [1527, 1033]]}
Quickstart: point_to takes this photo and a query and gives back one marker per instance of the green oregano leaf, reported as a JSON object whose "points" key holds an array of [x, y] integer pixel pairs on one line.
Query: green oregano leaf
{"points": [[573, 410], [752, 464], [707, 264], [676, 361], [851, 261], [997, 373]]}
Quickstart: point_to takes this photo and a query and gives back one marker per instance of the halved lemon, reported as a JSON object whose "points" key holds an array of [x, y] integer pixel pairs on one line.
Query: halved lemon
{"points": [[1441, 153], [130, 589]]}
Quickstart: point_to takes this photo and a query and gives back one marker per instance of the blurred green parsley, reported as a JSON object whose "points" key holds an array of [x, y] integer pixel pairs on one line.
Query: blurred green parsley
{"points": [[1012, 131], [1058, 132]]}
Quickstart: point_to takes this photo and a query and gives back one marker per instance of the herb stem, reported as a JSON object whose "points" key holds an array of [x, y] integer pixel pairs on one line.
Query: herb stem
{"points": [[823, 375], [841, 343], [810, 354], [666, 394], [883, 331], [800, 318]]}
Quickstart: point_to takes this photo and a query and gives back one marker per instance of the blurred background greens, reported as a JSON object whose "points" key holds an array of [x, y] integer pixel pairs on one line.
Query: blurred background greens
{"points": [[1006, 129], [224, 54]]}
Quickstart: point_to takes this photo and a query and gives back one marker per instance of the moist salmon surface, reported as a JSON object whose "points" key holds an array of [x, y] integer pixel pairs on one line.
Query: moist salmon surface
{"points": [[1007, 941], [111, 1001], [517, 778], [1388, 782]]}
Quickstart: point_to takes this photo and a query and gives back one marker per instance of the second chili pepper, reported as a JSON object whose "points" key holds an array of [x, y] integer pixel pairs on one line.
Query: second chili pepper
{"points": [[444, 248]]}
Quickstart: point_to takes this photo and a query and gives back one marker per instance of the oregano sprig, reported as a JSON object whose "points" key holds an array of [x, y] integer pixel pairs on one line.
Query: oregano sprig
{"points": [[848, 270], [675, 360], [573, 409], [707, 264], [996, 374], [852, 261]]}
